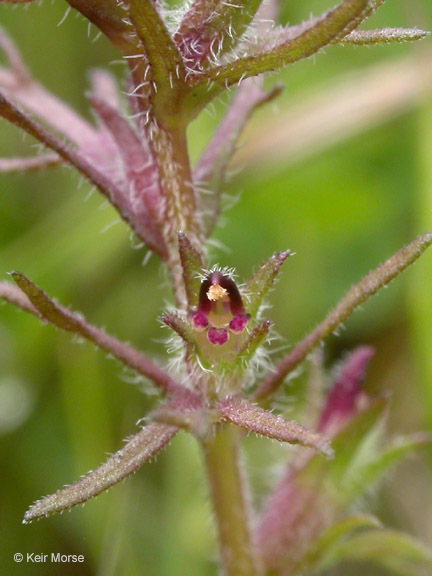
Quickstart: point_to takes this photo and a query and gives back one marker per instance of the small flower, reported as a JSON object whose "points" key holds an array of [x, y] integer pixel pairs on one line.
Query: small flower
{"points": [[220, 309]]}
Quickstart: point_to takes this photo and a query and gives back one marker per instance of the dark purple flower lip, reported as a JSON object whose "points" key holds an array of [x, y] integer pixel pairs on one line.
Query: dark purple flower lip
{"points": [[220, 308]]}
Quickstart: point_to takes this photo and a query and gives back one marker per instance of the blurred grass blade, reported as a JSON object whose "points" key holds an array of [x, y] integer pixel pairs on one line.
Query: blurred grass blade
{"points": [[360, 477], [262, 422], [138, 450], [316, 554], [390, 549], [355, 296], [72, 322]]}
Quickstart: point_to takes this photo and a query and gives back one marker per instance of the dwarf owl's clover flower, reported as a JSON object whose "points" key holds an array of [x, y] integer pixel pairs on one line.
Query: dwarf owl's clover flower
{"points": [[220, 309]]}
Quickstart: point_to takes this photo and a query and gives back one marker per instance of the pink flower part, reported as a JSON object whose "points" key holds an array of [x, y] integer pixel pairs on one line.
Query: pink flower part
{"points": [[238, 323], [199, 321], [217, 336]]}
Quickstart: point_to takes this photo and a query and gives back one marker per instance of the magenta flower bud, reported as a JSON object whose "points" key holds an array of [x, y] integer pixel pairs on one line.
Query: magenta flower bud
{"points": [[217, 336], [238, 323]]}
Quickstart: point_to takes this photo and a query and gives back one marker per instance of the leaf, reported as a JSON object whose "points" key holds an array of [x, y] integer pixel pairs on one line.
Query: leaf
{"points": [[138, 450], [72, 322], [355, 296], [393, 550], [166, 65], [383, 36], [210, 29], [328, 27], [255, 338], [111, 18], [261, 282], [179, 325], [29, 163], [192, 266], [331, 537], [263, 422]]}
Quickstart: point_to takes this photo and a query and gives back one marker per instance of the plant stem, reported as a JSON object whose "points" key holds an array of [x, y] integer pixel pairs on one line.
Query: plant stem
{"points": [[221, 455]]}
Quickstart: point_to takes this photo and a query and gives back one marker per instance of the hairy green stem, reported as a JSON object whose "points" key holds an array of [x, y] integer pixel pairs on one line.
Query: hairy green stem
{"points": [[221, 455]]}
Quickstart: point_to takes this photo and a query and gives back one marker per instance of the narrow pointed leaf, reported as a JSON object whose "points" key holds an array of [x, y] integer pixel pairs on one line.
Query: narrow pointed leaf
{"points": [[141, 174], [255, 338], [397, 552], [179, 325], [138, 450], [210, 171], [261, 282], [355, 296], [31, 163], [310, 488], [166, 64], [72, 322], [329, 538], [17, 85], [192, 266], [111, 17], [383, 36], [330, 26], [211, 28], [116, 196], [263, 422]]}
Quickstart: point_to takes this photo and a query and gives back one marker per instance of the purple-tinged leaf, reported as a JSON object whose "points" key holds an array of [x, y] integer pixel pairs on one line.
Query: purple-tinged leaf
{"points": [[343, 397], [63, 318], [209, 173], [332, 25], [308, 495], [116, 195], [136, 452], [166, 64], [263, 422], [141, 175], [210, 28], [179, 325], [30, 163], [17, 85], [383, 36], [184, 410], [13, 295], [192, 265], [111, 17], [255, 338], [104, 87], [355, 296], [261, 282]]}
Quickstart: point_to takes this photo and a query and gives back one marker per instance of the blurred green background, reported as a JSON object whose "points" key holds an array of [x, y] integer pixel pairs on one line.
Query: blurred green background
{"points": [[342, 186]]}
